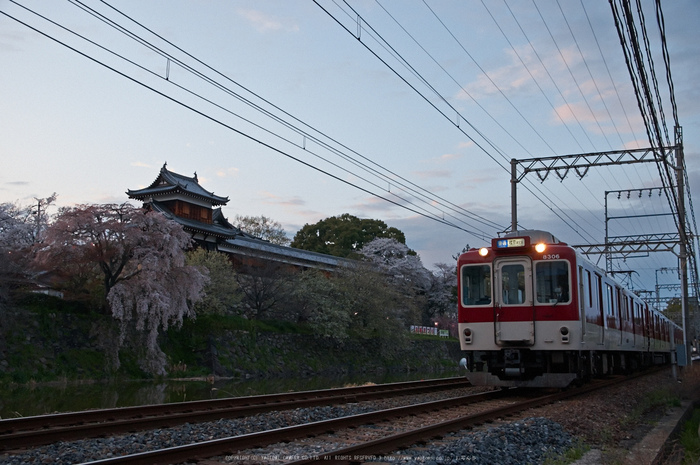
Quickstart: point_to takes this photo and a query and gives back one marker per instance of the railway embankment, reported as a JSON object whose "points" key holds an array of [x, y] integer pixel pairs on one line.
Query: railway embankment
{"points": [[66, 342]]}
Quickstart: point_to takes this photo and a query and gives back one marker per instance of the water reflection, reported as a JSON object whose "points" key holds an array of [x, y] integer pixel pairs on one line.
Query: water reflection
{"points": [[29, 400]]}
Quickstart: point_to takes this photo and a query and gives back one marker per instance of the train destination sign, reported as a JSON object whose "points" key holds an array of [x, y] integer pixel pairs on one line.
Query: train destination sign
{"points": [[507, 243]]}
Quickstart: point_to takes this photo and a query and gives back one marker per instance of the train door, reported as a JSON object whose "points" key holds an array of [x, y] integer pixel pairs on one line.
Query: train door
{"points": [[584, 290], [514, 318], [647, 327], [600, 320]]}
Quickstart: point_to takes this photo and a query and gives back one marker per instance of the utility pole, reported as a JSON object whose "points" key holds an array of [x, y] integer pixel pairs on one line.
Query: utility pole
{"points": [[683, 258]]}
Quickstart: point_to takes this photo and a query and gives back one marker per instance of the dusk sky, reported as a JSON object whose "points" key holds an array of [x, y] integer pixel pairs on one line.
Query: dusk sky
{"points": [[280, 106]]}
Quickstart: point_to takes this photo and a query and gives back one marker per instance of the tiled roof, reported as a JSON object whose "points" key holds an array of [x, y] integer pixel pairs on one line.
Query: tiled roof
{"points": [[216, 230], [230, 239], [168, 182], [251, 246]]}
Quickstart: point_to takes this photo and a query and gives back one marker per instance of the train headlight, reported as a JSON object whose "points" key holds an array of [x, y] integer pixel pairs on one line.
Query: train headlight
{"points": [[483, 251], [564, 331], [467, 335], [539, 248]]}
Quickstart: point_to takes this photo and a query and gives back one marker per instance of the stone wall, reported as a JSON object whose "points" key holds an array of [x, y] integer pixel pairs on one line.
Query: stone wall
{"points": [[243, 354], [50, 345]]}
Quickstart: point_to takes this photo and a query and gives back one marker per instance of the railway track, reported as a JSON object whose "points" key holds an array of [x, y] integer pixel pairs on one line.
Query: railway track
{"points": [[487, 407], [37, 430]]}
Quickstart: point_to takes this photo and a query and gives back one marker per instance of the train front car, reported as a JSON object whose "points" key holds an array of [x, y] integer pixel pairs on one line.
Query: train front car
{"points": [[518, 314]]}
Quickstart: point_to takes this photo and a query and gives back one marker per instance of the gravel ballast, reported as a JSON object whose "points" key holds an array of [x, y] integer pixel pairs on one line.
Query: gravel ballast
{"points": [[611, 421]]}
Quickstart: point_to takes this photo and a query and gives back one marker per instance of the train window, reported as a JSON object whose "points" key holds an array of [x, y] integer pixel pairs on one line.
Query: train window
{"points": [[590, 288], [513, 284], [609, 301], [476, 285], [552, 281]]}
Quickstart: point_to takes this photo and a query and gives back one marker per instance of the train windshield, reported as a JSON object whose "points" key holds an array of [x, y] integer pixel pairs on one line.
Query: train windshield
{"points": [[512, 283], [552, 281], [476, 285]]}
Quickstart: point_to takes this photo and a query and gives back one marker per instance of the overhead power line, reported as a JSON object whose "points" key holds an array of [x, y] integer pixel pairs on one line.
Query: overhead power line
{"points": [[363, 26], [448, 213]]}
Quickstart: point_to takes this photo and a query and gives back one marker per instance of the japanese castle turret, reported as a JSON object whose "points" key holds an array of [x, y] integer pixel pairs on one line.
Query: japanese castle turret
{"points": [[182, 199]]}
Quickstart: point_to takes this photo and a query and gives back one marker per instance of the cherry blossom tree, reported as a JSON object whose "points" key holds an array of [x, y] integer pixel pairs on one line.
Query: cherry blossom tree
{"points": [[140, 259], [442, 295], [408, 275], [443, 289], [15, 237], [397, 260], [20, 228]]}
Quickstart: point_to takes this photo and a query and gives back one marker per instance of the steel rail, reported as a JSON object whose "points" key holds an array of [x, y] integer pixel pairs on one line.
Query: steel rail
{"points": [[237, 444], [230, 445], [33, 431], [395, 442]]}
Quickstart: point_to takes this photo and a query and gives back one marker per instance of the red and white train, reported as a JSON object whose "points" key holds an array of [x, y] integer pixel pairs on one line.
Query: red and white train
{"points": [[534, 312]]}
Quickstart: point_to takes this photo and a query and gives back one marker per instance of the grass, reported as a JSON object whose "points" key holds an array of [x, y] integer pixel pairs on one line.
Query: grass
{"points": [[575, 452], [689, 439], [655, 399]]}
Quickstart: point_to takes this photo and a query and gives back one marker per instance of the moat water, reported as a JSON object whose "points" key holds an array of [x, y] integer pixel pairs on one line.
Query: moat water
{"points": [[38, 399]]}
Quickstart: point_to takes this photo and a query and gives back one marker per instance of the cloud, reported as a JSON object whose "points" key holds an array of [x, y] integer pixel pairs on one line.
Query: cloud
{"points": [[447, 157], [375, 204], [432, 174], [140, 164], [224, 173], [272, 199], [450, 156], [18, 183], [10, 41], [264, 23], [466, 145]]}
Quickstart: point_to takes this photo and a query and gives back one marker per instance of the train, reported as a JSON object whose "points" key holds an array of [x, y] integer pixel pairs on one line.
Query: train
{"points": [[534, 312]]}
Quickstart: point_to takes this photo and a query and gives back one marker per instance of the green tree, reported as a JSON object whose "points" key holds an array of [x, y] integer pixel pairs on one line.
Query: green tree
{"points": [[265, 290], [262, 227], [377, 309], [316, 299], [222, 293], [344, 235], [674, 310]]}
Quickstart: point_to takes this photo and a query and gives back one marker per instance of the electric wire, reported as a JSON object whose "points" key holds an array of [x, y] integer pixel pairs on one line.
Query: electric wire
{"points": [[646, 90], [362, 26], [549, 74], [228, 126], [427, 197], [578, 199], [571, 74], [598, 91], [551, 78], [393, 179], [593, 79], [607, 67]]}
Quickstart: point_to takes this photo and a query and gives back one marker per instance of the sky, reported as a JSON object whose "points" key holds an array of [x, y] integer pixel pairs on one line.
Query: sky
{"points": [[405, 111]]}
